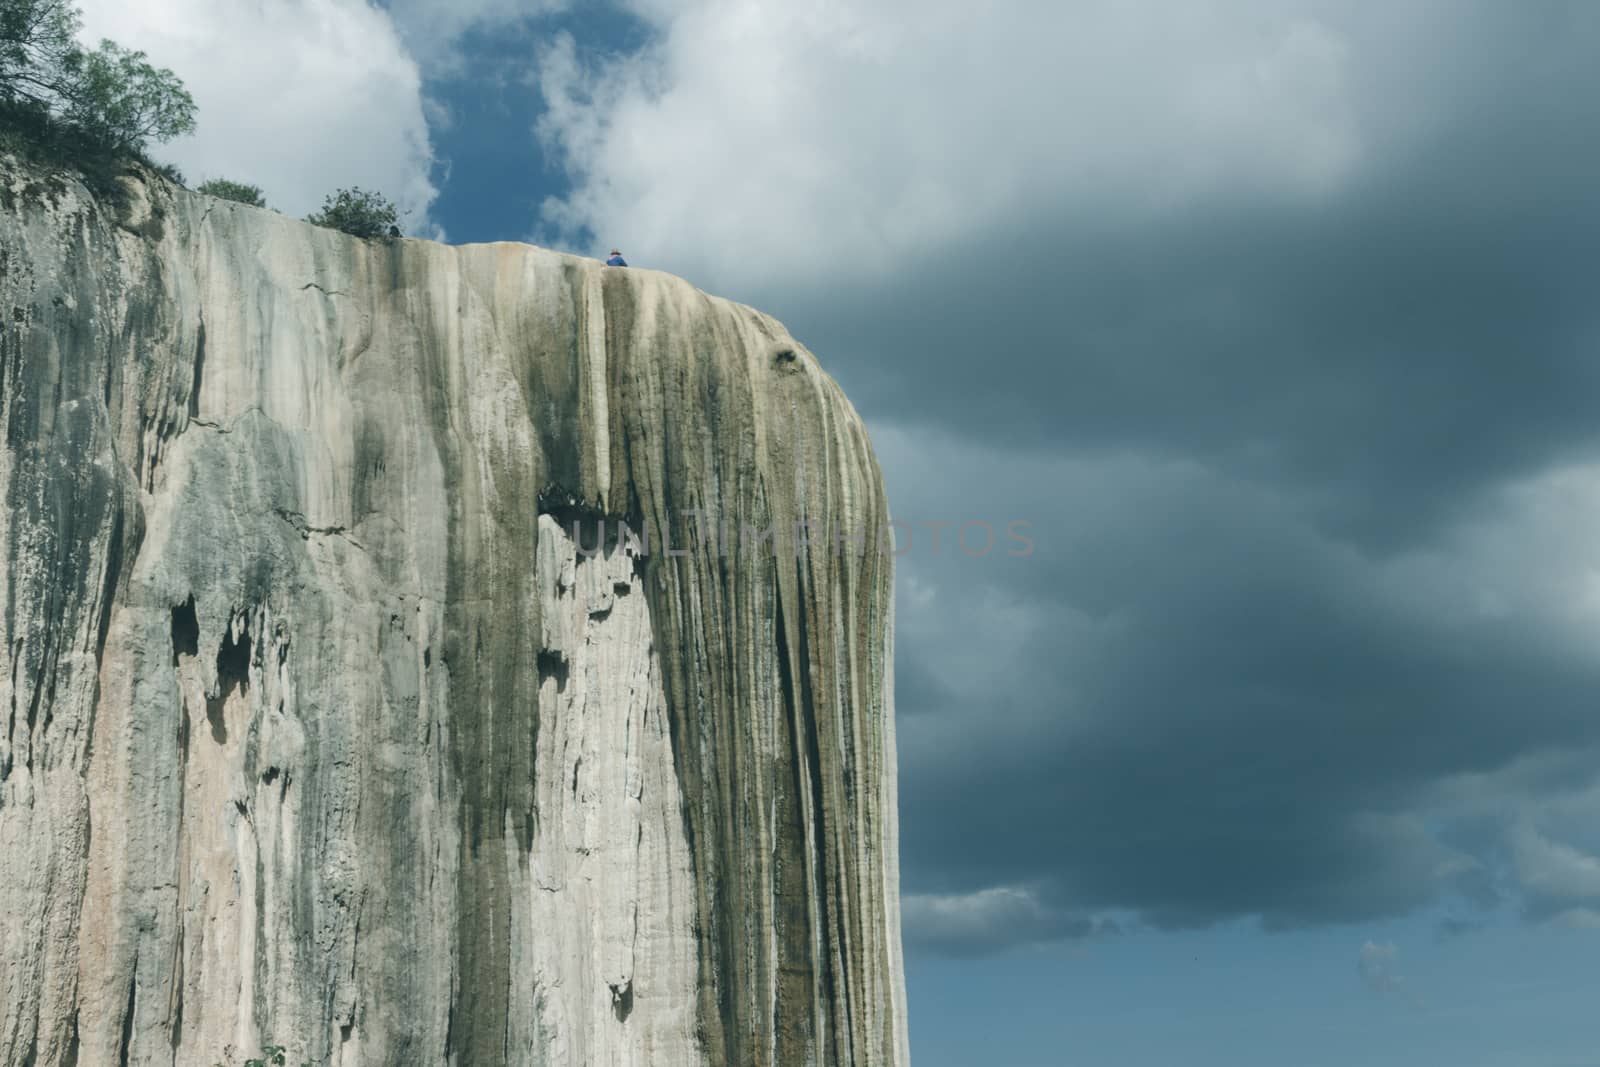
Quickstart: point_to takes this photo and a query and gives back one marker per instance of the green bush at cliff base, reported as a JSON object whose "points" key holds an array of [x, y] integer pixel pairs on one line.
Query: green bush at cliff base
{"points": [[271, 1056]]}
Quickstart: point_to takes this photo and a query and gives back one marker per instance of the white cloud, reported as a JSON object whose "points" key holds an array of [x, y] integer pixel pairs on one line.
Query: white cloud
{"points": [[296, 96], [1376, 966], [793, 140], [1527, 556], [433, 29], [1536, 831], [1578, 919], [990, 919], [1553, 870]]}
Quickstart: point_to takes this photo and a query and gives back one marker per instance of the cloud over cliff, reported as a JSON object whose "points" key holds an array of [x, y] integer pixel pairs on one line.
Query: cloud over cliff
{"points": [[297, 96], [1274, 319]]}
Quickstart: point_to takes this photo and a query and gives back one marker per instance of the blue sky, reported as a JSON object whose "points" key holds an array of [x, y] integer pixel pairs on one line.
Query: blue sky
{"points": [[493, 173], [1274, 319]]}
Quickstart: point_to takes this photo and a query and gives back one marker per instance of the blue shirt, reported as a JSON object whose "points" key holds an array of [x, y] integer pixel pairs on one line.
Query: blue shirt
{"points": [[616, 261]]}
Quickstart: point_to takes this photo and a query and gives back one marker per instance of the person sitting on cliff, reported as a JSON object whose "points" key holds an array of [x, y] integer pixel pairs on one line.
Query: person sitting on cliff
{"points": [[616, 259]]}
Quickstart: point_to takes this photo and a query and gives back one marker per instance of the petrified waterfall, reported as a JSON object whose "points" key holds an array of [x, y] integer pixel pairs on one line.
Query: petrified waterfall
{"points": [[337, 711]]}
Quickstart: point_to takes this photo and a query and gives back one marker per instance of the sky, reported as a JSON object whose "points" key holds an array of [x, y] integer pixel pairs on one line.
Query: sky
{"points": [[1274, 320]]}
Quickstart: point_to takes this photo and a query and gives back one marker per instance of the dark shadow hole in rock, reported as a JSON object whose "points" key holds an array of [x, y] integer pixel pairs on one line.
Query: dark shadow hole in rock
{"points": [[622, 1001], [72, 1042], [108, 588], [185, 631], [199, 371], [553, 664], [567, 507], [183, 736], [590, 527], [214, 716], [786, 355], [233, 673], [177, 1022], [127, 1019]]}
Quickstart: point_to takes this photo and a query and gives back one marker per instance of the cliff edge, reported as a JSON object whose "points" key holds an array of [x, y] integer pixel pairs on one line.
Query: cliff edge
{"points": [[319, 726]]}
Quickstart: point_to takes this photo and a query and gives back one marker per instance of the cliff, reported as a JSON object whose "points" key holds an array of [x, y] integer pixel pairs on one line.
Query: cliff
{"points": [[320, 728]]}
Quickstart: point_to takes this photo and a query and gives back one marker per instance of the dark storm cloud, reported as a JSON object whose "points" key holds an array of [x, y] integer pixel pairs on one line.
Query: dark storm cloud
{"points": [[1206, 709], [1228, 684], [1426, 329], [1264, 427]]}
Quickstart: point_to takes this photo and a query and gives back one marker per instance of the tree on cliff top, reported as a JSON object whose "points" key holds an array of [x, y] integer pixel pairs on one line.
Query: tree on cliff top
{"points": [[55, 93], [358, 212], [123, 102]]}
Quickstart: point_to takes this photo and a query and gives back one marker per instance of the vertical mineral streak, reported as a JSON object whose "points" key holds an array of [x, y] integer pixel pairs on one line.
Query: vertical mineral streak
{"points": [[334, 712]]}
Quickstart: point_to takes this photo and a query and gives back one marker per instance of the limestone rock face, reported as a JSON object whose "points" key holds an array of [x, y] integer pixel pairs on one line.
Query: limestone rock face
{"points": [[337, 712]]}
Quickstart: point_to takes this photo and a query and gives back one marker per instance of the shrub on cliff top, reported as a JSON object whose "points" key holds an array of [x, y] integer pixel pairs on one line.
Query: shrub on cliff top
{"points": [[358, 212], [238, 192]]}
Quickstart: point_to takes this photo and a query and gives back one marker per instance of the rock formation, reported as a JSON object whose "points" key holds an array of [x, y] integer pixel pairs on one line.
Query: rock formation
{"points": [[337, 711]]}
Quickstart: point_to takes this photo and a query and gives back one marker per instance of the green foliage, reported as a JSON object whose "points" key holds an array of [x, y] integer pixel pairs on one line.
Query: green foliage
{"points": [[38, 47], [357, 212], [271, 1056], [238, 192], [30, 133], [119, 99], [62, 103]]}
